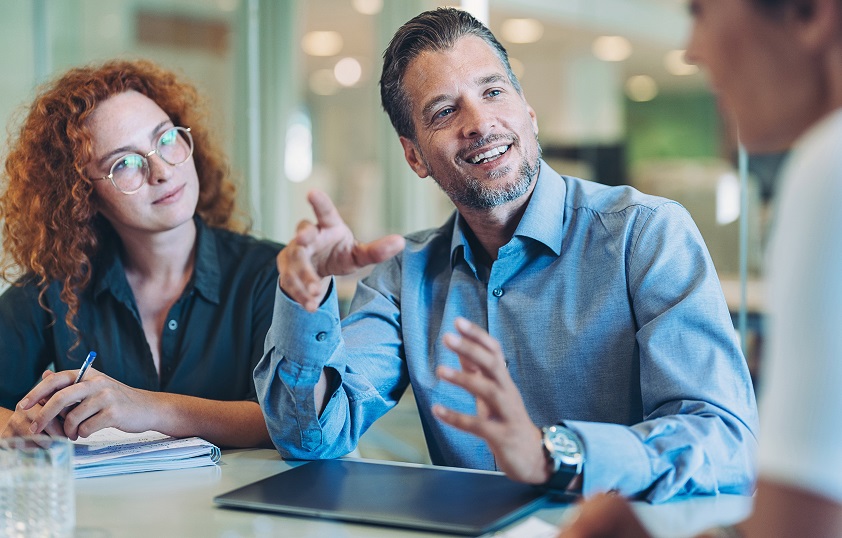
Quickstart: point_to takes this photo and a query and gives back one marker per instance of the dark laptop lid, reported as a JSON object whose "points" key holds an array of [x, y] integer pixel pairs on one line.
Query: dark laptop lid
{"points": [[443, 499]]}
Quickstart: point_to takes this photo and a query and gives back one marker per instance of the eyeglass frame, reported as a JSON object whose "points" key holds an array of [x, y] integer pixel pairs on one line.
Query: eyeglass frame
{"points": [[145, 158]]}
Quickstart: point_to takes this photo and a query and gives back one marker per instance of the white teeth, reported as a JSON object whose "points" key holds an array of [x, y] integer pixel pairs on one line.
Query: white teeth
{"points": [[490, 154]]}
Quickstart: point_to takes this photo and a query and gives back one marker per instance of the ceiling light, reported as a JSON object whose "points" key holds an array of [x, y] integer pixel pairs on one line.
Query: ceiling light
{"points": [[641, 88], [347, 71], [322, 43], [612, 48], [727, 198], [368, 7], [298, 158], [522, 30], [676, 64]]}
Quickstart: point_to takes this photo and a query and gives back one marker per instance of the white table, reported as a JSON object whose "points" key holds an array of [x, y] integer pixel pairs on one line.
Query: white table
{"points": [[180, 504]]}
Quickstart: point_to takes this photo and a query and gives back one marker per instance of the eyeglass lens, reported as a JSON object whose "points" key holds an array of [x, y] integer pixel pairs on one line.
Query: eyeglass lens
{"points": [[174, 147]]}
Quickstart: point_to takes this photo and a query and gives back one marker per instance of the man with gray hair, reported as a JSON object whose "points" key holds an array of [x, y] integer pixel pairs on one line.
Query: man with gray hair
{"points": [[567, 333]]}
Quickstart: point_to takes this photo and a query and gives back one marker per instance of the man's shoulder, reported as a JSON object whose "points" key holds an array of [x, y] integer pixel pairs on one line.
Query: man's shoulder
{"points": [[431, 238], [608, 199]]}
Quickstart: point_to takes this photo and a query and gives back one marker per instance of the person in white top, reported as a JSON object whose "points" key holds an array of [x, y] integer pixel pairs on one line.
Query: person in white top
{"points": [[777, 67]]}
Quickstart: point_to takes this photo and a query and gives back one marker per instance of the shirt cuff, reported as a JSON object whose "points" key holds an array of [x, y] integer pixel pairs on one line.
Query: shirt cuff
{"points": [[299, 344], [615, 459], [298, 334]]}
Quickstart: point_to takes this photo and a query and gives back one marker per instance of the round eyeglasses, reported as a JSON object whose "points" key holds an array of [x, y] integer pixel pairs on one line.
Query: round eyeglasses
{"points": [[131, 171]]}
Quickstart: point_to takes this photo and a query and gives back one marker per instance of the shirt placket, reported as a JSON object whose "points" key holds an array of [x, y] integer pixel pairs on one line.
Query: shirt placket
{"points": [[171, 337]]}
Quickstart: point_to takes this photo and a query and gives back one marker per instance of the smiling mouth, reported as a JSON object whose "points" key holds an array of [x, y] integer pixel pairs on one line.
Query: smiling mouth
{"points": [[490, 155]]}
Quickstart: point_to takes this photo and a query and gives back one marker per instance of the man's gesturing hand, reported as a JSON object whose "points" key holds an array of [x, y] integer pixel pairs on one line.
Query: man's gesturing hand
{"points": [[323, 249], [501, 417]]}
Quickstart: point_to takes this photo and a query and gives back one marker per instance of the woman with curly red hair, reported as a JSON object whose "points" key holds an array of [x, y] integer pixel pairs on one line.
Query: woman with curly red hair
{"points": [[119, 235]]}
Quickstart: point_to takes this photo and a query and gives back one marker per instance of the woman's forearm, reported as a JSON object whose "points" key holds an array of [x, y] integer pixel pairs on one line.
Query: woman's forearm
{"points": [[227, 424]]}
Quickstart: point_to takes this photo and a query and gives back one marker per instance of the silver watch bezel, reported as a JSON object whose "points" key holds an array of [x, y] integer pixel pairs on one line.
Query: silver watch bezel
{"points": [[564, 448]]}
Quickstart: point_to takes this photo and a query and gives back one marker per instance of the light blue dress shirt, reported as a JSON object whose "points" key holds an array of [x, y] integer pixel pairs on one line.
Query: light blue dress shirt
{"points": [[611, 318]]}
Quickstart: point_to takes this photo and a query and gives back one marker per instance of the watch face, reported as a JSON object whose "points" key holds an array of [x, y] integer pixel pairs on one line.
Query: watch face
{"points": [[565, 445]]}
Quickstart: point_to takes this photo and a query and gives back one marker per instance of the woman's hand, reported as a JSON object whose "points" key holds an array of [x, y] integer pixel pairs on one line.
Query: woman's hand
{"points": [[94, 403], [21, 420]]}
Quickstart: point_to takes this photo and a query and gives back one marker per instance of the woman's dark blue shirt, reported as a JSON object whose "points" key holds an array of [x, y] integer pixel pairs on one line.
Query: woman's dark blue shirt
{"points": [[212, 338]]}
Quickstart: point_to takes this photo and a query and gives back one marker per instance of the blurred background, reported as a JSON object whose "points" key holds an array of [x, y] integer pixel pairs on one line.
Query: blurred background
{"points": [[293, 88]]}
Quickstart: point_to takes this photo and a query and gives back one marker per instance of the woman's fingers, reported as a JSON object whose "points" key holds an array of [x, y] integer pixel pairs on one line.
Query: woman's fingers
{"points": [[48, 386]]}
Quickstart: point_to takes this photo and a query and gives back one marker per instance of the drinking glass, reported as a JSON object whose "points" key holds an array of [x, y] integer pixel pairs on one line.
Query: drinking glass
{"points": [[36, 487]]}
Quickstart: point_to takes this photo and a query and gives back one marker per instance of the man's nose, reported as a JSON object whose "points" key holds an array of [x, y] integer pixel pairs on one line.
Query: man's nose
{"points": [[476, 120]]}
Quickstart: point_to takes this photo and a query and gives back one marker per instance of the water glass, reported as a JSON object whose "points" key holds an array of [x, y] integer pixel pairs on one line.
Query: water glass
{"points": [[36, 487]]}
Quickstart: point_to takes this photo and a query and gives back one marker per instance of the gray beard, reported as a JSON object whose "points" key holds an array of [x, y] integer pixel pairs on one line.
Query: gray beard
{"points": [[472, 194]]}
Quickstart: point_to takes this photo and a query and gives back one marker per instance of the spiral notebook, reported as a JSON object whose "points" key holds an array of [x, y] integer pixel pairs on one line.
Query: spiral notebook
{"points": [[442, 499]]}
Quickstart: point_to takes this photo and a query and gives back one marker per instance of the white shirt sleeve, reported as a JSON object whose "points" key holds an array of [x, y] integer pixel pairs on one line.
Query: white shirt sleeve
{"points": [[801, 391]]}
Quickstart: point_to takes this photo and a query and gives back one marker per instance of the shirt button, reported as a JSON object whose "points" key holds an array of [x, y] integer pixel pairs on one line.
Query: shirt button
{"points": [[498, 292], [173, 325], [321, 337]]}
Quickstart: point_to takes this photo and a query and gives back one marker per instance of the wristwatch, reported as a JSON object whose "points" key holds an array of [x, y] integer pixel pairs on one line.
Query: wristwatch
{"points": [[565, 453]]}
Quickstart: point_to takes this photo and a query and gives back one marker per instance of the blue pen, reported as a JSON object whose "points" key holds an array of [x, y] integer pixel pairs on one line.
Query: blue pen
{"points": [[88, 361]]}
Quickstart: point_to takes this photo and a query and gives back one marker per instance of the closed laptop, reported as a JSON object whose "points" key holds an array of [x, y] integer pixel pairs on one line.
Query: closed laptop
{"points": [[444, 499]]}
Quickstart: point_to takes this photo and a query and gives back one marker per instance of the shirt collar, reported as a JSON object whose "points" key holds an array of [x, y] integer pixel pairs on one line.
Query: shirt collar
{"points": [[542, 221], [205, 280], [544, 216], [459, 246]]}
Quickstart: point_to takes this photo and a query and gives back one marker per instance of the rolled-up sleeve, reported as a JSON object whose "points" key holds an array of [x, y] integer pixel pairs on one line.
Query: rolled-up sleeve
{"points": [[297, 348], [365, 382]]}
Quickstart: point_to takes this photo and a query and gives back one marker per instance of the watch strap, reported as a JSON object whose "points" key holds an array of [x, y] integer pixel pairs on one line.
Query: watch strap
{"points": [[561, 479]]}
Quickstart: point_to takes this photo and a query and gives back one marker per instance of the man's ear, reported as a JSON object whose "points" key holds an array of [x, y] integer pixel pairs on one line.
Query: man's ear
{"points": [[534, 117], [413, 157], [817, 22]]}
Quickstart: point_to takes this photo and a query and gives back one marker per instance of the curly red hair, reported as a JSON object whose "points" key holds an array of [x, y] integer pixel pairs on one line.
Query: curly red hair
{"points": [[50, 229]]}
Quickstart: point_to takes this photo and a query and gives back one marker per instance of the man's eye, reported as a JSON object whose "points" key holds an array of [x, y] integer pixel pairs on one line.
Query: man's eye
{"points": [[493, 93], [444, 112]]}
